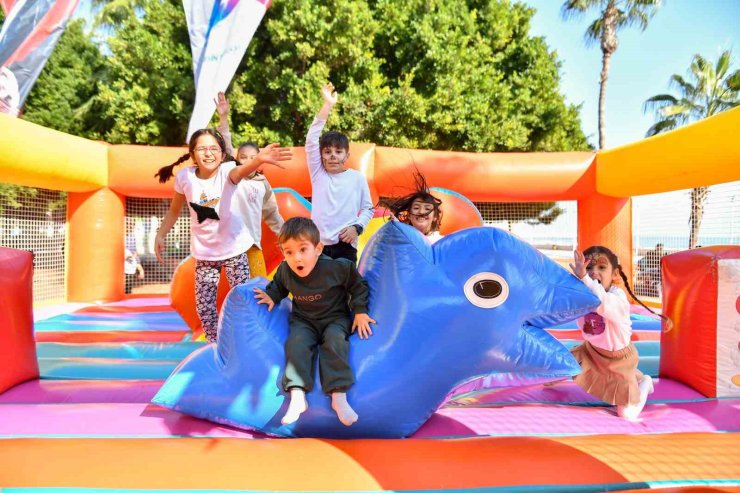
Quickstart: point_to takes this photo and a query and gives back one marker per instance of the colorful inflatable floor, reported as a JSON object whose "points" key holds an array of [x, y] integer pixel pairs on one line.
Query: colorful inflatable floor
{"points": [[88, 425]]}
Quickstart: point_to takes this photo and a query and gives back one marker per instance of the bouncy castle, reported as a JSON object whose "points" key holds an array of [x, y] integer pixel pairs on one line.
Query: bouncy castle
{"points": [[80, 399]]}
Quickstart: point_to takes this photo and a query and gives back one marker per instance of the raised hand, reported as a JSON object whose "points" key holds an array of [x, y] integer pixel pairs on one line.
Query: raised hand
{"points": [[274, 154], [222, 104], [579, 264], [329, 94]]}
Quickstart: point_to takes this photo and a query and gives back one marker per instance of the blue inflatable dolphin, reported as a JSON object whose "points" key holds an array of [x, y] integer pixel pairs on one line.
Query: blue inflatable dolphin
{"points": [[469, 308]]}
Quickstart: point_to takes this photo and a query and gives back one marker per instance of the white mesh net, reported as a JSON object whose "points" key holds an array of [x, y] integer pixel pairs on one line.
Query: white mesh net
{"points": [[663, 223], [551, 227], [35, 219], [143, 217]]}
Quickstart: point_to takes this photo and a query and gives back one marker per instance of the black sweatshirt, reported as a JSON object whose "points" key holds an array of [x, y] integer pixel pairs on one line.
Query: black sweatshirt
{"points": [[325, 293]]}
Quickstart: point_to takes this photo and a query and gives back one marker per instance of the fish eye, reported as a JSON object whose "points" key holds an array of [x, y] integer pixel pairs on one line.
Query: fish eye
{"points": [[486, 290]]}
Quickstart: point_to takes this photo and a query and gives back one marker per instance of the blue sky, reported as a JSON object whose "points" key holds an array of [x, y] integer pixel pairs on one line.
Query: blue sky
{"points": [[643, 63]]}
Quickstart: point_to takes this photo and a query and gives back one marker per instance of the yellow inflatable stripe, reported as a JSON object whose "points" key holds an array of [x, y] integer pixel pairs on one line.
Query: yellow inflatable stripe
{"points": [[701, 154], [36, 156]]}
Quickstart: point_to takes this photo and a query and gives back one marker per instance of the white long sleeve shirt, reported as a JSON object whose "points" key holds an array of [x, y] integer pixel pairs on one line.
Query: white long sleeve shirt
{"points": [[610, 326], [338, 199]]}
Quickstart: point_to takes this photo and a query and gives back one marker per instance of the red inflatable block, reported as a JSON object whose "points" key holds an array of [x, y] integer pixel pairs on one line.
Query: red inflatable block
{"points": [[17, 347], [701, 295]]}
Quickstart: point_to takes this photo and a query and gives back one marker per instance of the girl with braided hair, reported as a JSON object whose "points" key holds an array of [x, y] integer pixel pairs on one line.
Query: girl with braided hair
{"points": [[219, 238], [608, 357]]}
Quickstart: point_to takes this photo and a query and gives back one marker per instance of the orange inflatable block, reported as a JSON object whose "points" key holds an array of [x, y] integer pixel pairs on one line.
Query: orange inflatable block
{"points": [[17, 346], [457, 211]]}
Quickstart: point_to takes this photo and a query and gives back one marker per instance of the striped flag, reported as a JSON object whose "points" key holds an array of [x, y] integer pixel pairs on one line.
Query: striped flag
{"points": [[220, 31], [27, 39]]}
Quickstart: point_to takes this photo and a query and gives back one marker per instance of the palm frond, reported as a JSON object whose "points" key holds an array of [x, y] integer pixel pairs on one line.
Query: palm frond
{"points": [[732, 82], [593, 31], [635, 16], [723, 64], [708, 91], [662, 126], [679, 111], [573, 9], [683, 86], [657, 102]]}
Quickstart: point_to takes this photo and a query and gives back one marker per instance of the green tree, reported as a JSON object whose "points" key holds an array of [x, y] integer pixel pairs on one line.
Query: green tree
{"points": [[112, 13], [708, 90], [148, 93], [423, 73], [62, 95], [613, 16]]}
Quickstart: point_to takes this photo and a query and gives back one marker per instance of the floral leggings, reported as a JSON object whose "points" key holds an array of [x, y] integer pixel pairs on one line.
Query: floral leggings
{"points": [[207, 275]]}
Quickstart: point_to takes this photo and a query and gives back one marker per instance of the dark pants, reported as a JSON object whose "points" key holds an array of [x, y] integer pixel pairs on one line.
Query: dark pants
{"points": [[331, 341], [341, 250]]}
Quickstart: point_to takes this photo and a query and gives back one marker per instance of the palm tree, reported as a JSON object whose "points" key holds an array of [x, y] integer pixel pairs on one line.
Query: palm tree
{"points": [[711, 88], [614, 15]]}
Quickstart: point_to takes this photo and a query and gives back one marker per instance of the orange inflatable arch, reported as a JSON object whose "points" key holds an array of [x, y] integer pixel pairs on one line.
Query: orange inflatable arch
{"points": [[98, 177]]}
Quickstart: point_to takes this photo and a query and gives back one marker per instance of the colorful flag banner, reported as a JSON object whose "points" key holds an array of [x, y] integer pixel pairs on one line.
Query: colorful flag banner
{"points": [[29, 35], [6, 5], [220, 32]]}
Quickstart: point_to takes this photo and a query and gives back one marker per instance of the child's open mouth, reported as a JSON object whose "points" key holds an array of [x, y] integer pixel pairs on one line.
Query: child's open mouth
{"points": [[299, 267]]}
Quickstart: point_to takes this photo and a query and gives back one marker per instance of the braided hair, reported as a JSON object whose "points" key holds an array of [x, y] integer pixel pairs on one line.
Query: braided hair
{"points": [[614, 262], [166, 172]]}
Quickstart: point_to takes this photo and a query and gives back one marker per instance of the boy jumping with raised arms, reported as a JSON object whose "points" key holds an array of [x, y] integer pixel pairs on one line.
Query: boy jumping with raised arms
{"points": [[341, 205]]}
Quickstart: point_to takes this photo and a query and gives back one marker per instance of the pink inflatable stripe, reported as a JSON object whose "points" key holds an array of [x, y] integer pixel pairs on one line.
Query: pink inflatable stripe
{"points": [[146, 420], [81, 391]]}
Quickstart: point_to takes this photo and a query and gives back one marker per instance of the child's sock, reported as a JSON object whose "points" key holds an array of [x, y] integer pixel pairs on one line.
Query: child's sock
{"points": [[344, 411], [646, 386], [296, 407], [630, 413]]}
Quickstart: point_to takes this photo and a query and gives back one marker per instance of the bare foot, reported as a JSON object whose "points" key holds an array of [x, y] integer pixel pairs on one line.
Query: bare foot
{"points": [[296, 407], [344, 411]]}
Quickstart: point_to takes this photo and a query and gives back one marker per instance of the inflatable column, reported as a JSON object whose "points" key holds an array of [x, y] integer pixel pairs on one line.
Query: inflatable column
{"points": [[701, 295], [17, 347]]}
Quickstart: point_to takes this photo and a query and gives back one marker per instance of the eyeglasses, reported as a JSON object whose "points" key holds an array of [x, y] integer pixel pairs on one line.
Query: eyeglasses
{"points": [[212, 150]]}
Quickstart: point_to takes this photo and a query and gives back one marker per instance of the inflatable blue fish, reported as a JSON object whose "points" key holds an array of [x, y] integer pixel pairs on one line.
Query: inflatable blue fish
{"points": [[468, 310]]}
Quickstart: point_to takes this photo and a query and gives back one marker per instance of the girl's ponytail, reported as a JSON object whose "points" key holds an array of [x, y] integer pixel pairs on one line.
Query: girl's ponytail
{"points": [[668, 321], [614, 261], [165, 173]]}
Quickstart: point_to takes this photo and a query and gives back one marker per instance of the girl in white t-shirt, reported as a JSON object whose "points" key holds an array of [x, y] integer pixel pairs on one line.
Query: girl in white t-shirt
{"points": [[420, 209], [219, 238], [608, 357]]}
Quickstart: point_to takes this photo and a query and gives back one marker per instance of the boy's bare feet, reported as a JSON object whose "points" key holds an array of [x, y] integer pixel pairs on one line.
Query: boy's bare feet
{"points": [[344, 411], [296, 407]]}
